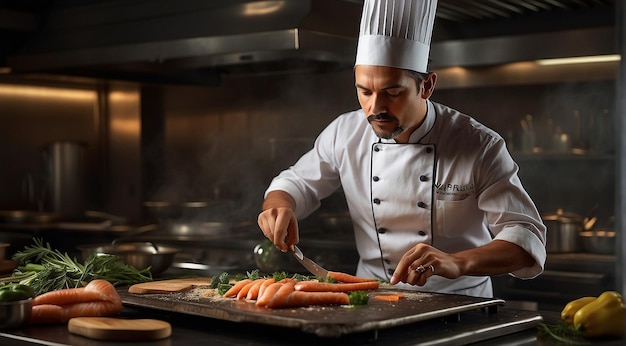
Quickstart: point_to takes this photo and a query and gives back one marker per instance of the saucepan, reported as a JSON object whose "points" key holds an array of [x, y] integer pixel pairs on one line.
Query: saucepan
{"points": [[563, 231]]}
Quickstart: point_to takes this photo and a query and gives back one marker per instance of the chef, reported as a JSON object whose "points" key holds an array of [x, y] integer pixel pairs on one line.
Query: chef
{"points": [[433, 195]]}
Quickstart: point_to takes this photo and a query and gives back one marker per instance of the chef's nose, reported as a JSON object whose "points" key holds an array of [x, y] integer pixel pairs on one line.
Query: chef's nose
{"points": [[379, 105]]}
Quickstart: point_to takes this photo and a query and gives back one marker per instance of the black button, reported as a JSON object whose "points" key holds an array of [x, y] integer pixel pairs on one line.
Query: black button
{"points": [[376, 200], [421, 204], [387, 260], [422, 233], [429, 150], [376, 149], [423, 178], [390, 271], [375, 178], [382, 230]]}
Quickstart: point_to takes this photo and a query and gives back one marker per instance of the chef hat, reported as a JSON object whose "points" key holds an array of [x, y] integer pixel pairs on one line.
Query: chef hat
{"points": [[396, 33]]}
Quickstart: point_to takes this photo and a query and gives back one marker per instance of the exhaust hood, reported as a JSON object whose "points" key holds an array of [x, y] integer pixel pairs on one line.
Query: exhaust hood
{"points": [[193, 40], [201, 41]]}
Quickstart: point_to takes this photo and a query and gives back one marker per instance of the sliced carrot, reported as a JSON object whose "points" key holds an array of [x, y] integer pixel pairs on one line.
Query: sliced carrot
{"points": [[232, 292], [388, 297], [316, 286], [347, 278]]}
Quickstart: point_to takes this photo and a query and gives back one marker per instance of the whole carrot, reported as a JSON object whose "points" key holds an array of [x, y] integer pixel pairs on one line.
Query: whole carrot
{"points": [[232, 292], [316, 286], [347, 278]]}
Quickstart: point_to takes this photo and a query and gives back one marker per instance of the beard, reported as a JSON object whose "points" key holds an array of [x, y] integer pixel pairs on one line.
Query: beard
{"points": [[382, 130]]}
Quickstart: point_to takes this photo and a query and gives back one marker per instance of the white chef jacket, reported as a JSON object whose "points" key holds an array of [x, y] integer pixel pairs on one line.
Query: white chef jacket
{"points": [[453, 186]]}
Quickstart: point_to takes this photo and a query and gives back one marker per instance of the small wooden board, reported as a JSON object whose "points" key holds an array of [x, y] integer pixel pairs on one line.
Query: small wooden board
{"points": [[169, 286], [118, 329]]}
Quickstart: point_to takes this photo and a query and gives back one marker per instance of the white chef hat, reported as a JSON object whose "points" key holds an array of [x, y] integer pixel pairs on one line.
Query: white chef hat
{"points": [[396, 33]]}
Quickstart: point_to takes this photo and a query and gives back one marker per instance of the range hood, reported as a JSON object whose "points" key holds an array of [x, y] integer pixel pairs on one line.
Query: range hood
{"points": [[192, 40], [201, 41]]}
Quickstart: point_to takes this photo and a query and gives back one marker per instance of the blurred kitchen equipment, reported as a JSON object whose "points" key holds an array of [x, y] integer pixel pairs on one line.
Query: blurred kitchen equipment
{"points": [[162, 210], [528, 134], [3, 250], [15, 314], [563, 231], [140, 255], [28, 216], [599, 241], [336, 222], [560, 141], [66, 178]]}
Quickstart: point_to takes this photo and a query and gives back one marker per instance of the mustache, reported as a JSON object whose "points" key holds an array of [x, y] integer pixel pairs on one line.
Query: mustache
{"points": [[381, 116]]}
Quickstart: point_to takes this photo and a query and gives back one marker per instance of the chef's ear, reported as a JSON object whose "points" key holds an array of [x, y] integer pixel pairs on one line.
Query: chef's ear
{"points": [[428, 84]]}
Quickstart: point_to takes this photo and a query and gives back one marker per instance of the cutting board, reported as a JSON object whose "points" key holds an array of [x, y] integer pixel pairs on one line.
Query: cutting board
{"points": [[169, 286], [118, 329]]}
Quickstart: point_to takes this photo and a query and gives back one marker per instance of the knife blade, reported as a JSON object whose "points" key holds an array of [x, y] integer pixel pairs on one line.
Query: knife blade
{"points": [[311, 266]]}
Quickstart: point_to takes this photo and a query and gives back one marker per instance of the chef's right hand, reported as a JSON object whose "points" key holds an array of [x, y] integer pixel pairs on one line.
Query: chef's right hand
{"points": [[278, 220]]}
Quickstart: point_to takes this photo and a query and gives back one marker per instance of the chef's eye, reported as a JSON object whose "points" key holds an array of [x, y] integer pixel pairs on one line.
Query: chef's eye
{"points": [[393, 92]]}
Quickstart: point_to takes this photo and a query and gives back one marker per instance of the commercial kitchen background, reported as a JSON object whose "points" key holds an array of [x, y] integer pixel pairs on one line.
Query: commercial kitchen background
{"points": [[147, 139]]}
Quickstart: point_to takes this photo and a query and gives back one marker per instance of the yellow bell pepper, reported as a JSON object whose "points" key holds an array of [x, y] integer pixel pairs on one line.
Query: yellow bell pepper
{"points": [[567, 315], [603, 317]]}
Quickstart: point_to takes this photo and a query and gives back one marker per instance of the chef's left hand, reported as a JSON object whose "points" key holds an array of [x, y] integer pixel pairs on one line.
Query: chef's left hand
{"points": [[423, 261]]}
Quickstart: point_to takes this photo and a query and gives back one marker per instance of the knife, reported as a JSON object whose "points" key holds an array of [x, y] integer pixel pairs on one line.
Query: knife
{"points": [[311, 266]]}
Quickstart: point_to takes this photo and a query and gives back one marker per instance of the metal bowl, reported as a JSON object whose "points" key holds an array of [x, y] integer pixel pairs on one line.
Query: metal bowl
{"points": [[140, 255], [15, 314]]}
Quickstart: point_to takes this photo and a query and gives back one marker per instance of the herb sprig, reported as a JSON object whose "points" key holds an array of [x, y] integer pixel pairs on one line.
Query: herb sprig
{"points": [[46, 269]]}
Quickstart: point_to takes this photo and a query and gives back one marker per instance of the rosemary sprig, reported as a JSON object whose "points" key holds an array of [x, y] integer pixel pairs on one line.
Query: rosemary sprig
{"points": [[46, 269]]}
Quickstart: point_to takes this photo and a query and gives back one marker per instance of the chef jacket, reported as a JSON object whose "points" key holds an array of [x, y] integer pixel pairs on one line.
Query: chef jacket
{"points": [[454, 186]]}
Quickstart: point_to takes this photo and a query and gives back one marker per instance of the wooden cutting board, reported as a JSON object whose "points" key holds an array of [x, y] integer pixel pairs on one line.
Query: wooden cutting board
{"points": [[118, 329], [169, 286]]}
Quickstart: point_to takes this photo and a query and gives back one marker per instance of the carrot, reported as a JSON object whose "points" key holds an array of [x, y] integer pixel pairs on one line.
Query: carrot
{"points": [[345, 277], [98, 298], [253, 293], [232, 292], [264, 286], [95, 290], [46, 313], [316, 286], [268, 294], [301, 299], [388, 297], [281, 294], [244, 290]]}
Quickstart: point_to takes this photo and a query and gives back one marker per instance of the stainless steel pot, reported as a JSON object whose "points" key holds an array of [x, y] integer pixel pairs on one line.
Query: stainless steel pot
{"points": [[563, 231], [599, 242], [140, 255]]}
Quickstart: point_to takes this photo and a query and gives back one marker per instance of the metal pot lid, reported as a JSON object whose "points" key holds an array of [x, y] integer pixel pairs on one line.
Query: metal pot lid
{"points": [[562, 216]]}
